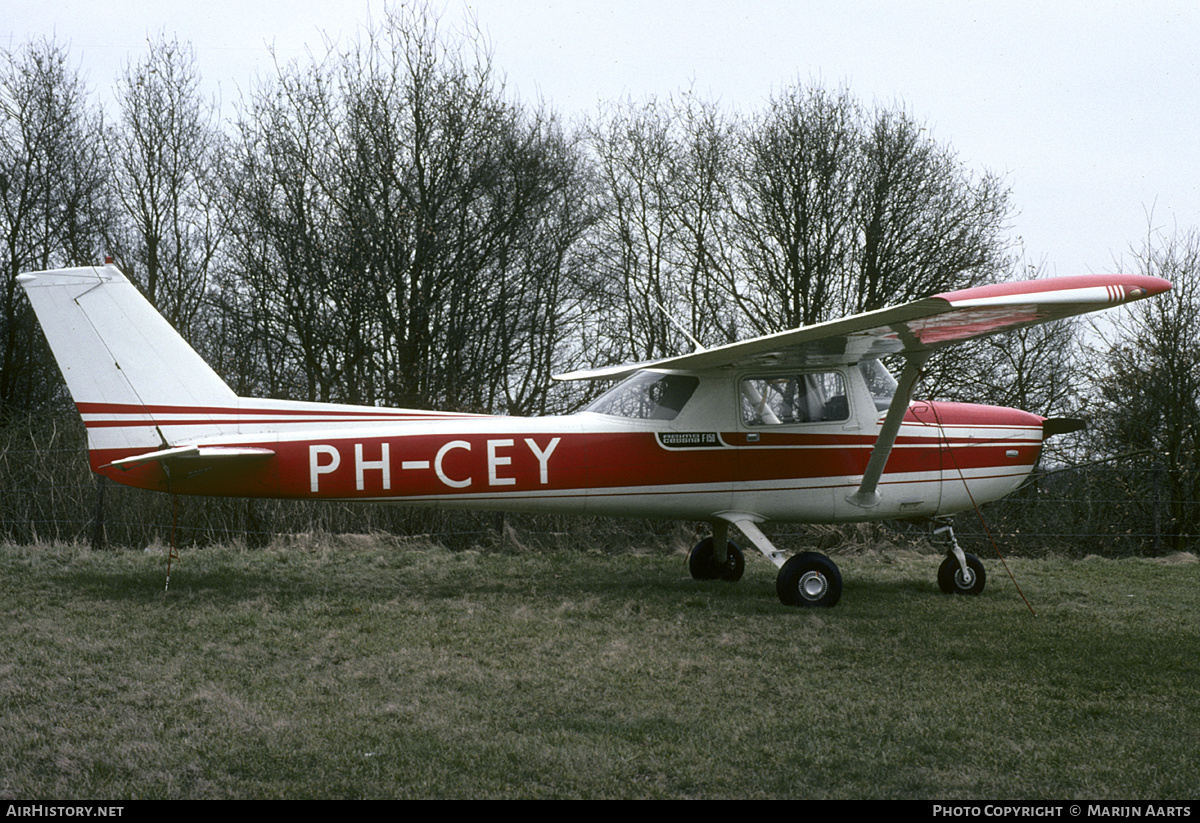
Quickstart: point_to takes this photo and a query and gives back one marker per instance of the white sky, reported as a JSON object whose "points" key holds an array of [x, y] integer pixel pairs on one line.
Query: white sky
{"points": [[1089, 109]]}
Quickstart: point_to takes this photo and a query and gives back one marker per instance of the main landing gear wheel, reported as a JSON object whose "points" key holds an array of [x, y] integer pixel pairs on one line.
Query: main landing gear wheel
{"points": [[952, 580], [703, 563], [809, 579]]}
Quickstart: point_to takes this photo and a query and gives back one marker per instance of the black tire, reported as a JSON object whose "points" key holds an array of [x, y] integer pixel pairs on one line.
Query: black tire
{"points": [[952, 581], [703, 565], [809, 579]]}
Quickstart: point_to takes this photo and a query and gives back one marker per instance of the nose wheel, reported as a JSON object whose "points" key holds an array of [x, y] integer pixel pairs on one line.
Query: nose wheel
{"points": [[960, 572], [966, 577]]}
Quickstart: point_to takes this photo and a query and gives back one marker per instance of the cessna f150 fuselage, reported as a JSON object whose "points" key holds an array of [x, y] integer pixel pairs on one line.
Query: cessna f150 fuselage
{"points": [[713, 454]]}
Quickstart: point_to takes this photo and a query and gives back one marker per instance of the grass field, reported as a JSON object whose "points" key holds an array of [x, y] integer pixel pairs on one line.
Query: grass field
{"points": [[368, 668]]}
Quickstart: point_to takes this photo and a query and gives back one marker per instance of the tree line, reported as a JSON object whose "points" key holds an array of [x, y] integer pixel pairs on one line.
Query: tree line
{"points": [[385, 223]]}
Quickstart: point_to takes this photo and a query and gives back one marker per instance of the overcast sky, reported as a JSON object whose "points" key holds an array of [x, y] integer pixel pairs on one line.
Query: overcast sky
{"points": [[1090, 110]]}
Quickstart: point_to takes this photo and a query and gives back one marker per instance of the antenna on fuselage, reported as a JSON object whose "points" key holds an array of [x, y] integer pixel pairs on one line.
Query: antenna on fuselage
{"points": [[678, 325]]}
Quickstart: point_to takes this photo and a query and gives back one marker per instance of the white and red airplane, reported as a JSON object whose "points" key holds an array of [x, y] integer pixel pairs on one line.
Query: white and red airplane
{"points": [[801, 426]]}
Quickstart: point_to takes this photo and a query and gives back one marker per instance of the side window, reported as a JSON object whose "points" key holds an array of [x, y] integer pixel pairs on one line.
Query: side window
{"points": [[790, 399]]}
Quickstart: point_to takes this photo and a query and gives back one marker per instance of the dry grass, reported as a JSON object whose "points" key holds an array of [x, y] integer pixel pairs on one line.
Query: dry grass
{"points": [[363, 666]]}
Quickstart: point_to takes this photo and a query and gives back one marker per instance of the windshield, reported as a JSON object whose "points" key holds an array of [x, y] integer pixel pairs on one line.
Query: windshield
{"points": [[647, 396]]}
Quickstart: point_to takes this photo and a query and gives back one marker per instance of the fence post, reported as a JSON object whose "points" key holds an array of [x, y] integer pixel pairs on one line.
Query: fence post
{"points": [[1158, 483], [98, 522]]}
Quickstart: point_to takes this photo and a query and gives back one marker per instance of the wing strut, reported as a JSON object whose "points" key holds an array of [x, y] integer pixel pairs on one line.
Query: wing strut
{"points": [[868, 494]]}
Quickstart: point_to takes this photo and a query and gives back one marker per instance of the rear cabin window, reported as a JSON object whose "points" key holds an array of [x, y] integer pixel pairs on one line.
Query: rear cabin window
{"points": [[784, 400], [647, 396]]}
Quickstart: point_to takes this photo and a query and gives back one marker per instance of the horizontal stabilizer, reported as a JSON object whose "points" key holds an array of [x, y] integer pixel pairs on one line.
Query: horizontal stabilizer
{"points": [[194, 453]]}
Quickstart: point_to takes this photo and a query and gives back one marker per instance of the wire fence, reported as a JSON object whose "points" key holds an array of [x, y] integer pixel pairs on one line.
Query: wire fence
{"points": [[47, 494]]}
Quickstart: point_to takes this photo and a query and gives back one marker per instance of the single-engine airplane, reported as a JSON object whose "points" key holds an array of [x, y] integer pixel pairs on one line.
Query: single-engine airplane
{"points": [[803, 426]]}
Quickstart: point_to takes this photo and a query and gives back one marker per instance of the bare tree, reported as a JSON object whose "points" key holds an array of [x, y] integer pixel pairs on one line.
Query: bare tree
{"points": [[633, 242], [924, 223], [282, 260], [51, 212], [796, 191], [703, 169], [1146, 386], [658, 249], [163, 153], [401, 228], [841, 211]]}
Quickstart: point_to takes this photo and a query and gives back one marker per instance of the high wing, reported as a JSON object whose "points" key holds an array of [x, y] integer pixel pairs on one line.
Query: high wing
{"points": [[916, 328]]}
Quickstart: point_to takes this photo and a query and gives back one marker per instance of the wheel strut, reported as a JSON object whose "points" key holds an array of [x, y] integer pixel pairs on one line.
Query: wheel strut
{"points": [[946, 531], [960, 573]]}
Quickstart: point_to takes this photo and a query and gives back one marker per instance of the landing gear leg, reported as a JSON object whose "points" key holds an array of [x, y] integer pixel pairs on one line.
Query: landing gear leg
{"points": [[960, 572]]}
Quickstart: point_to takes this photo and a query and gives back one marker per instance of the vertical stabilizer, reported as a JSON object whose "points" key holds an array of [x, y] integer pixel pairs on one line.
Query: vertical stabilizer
{"points": [[127, 369]]}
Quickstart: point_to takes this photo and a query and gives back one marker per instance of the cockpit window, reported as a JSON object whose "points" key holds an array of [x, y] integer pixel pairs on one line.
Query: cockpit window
{"points": [[794, 398], [647, 396]]}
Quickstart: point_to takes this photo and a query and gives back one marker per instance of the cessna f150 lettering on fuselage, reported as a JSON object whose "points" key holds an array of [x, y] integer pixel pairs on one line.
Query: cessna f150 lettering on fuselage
{"points": [[801, 426]]}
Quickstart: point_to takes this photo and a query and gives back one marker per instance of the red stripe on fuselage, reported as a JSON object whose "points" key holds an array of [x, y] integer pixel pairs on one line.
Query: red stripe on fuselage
{"points": [[516, 463]]}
